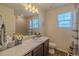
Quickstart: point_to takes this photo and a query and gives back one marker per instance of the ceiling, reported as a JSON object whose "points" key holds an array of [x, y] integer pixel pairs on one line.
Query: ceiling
{"points": [[48, 6], [20, 8]]}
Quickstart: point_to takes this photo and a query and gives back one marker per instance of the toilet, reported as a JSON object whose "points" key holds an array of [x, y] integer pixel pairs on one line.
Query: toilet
{"points": [[52, 47]]}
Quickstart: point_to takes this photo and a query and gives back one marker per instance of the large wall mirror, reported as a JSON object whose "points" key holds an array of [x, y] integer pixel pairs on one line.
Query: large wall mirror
{"points": [[27, 24], [27, 19]]}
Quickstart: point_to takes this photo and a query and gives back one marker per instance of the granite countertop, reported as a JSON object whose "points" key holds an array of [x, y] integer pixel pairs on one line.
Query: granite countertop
{"points": [[24, 48]]}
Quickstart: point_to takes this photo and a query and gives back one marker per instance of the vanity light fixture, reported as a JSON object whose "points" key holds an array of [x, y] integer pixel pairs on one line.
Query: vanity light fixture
{"points": [[31, 8]]}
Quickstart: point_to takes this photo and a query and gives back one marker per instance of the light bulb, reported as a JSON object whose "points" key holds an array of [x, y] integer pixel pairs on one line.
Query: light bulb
{"points": [[33, 8], [29, 6], [36, 10], [26, 8]]}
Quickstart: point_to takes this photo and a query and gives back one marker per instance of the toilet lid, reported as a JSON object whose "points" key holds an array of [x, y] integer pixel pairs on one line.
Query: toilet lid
{"points": [[52, 45]]}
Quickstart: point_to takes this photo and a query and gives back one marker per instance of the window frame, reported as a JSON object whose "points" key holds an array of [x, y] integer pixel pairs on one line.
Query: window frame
{"points": [[71, 21], [35, 23]]}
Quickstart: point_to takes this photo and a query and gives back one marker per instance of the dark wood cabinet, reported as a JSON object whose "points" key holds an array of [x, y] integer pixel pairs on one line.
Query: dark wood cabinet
{"points": [[41, 50], [38, 51], [46, 48]]}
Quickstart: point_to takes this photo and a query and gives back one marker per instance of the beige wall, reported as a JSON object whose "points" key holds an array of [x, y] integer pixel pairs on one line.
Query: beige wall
{"points": [[62, 37], [41, 21], [9, 19]]}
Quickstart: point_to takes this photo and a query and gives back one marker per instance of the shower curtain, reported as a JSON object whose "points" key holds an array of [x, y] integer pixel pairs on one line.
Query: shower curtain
{"points": [[76, 30]]}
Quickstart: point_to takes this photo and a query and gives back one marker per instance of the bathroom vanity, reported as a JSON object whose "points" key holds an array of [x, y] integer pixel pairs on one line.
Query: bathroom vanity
{"points": [[41, 50], [29, 47]]}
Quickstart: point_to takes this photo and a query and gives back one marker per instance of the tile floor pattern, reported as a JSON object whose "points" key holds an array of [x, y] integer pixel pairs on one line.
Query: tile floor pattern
{"points": [[58, 53]]}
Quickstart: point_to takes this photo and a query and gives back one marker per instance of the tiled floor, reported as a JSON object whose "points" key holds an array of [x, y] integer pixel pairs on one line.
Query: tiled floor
{"points": [[58, 53]]}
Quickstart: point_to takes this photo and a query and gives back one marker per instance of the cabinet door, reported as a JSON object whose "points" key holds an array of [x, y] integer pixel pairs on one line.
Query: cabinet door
{"points": [[46, 48], [38, 51]]}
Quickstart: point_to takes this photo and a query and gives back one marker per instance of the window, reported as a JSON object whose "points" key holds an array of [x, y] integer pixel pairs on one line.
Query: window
{"points": [[30, 24], [35, 23], [65, 20]]}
